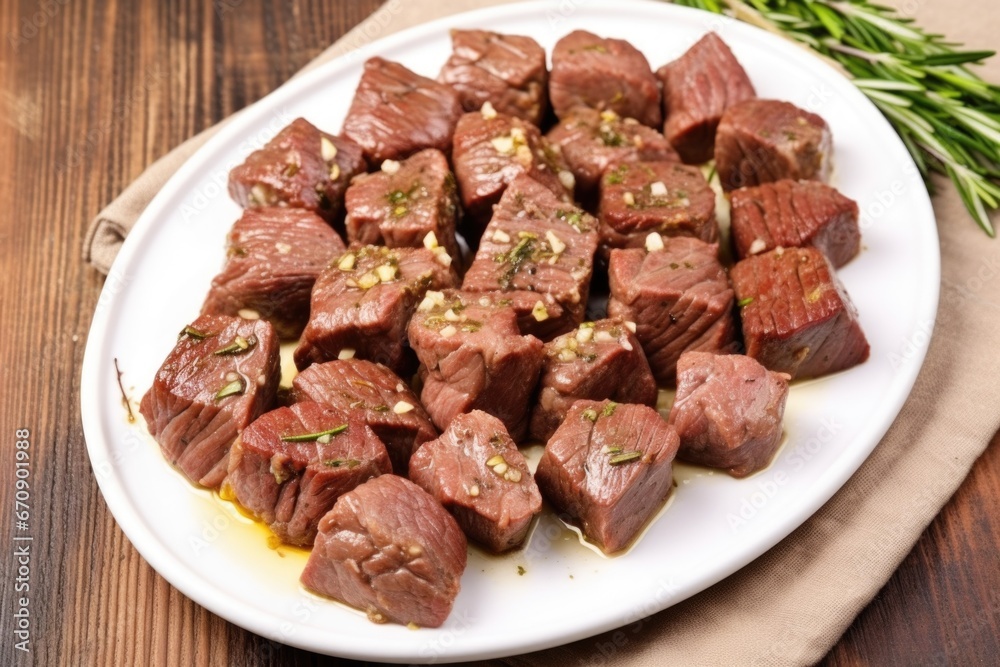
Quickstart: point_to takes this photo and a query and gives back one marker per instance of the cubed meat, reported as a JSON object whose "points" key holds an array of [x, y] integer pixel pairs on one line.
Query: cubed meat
{"points": [[221, 375], [677, 293], [396, 112], [792, 214], [760, 141], [728, 411], [385, 402], [599, 360], [697, 88], [473, 357], [603, 74], [475, 470], [797, 316], [361, 303], [273, 256], [609, 467], [403, 202], [389, 549], [291, 464], [508, 71], [301, 167]]}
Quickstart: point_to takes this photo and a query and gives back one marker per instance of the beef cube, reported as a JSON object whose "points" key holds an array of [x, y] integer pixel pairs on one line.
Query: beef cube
{"points": [[273, 257], [475, 470], [537, 243], [697, 88], [361, 303], [591, 140], [797, 316], [290, 465], [301, 167], [728, 411], [677, 293], [508, 71], [389, 549], [386, 403], [608, 467], [760, 141], [399, 205], [795, 213], [396, 113], [599, 360], [603, 74], [473, 357], [664, 197], [221, 375]]}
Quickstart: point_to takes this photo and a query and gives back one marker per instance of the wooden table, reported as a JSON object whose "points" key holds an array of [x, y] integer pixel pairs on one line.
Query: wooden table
{"points": [[91, 92]]}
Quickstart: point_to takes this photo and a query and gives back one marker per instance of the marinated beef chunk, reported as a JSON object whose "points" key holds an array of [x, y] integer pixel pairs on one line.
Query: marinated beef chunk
{"points": [[300, 167], [728, 411], [473, 357], [221, 375], [389, 549], [797, 316], [404, 201], [508, 71], [697, 88], [603, 74], [475, 470], [760, 141], [273, 257], [591, 140], [599, 360], [795, 213], [677, 293], [361, 303], [608, 467], [396, 113], [385, 402], [291, 464], [668, 198], [537, 243]]}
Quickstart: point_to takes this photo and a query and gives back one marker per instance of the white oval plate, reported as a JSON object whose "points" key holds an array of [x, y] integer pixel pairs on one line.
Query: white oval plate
{"points": [[715, 524]]}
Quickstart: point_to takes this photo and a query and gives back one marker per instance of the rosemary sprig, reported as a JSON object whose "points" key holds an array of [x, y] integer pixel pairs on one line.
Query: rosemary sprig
{"points": [[947, 116]]}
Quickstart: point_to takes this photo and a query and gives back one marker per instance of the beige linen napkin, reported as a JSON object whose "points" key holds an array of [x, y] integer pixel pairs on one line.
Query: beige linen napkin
{"points": [[793, 603]]}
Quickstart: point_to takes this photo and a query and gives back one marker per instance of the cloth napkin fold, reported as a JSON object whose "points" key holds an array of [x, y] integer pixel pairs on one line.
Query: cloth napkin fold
{"points": [[794, 602]]}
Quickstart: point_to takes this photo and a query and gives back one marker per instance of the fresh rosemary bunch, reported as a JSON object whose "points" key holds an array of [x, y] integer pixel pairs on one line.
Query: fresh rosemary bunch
{"points": [[948, 118]]}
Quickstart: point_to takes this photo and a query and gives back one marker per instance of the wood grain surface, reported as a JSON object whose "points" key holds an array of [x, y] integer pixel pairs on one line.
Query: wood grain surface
{"points": [[91, 92]]}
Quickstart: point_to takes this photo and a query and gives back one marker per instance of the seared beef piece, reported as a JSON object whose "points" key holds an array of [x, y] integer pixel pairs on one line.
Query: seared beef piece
{"points": [[363, 300], [697, 88], [290, 465], [665, 197], [795, 213], [603, 74], [599, 360], [474, 358], [759, 141], [608, 467], [508, 71], [677, 295], [386, 403], [400, 204], [396, 113], [797, 316], [591, 140], [389, 549], [273, 257], [475, 470], [301, 167], [537, 243], [221, 375], [728, 411]]}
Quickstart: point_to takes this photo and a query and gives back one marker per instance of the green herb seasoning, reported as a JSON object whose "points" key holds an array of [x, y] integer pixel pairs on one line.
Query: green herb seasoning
{"points": [[311, 437], [624, 457], [609, 409], [233, 388], [341, 463], [238, 346], [745, 301], [191, 332]]}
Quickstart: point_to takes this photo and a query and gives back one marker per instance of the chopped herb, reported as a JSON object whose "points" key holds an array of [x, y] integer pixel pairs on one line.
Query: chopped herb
{"points": [[471, 326], [600, 48], [616, 176], [515, 258], [590, 414], [674, 265], [380, 408], [624, 457], [611, 138], [589, 357], [745, 302], [238, 346], [340, 463], [309, 437], [191, 332], [400, 211], [362, 383], [290, 170], [233, 388], [609, 409], [521, 570], [396, 197]]}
